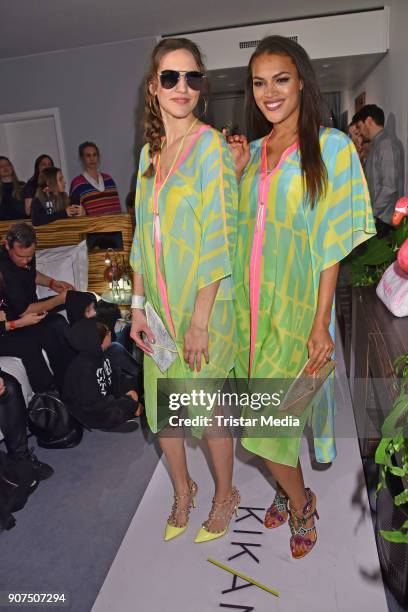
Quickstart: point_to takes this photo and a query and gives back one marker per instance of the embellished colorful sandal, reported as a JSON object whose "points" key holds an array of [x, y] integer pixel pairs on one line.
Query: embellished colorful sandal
{"points": [[302, 535], [277, 513]]}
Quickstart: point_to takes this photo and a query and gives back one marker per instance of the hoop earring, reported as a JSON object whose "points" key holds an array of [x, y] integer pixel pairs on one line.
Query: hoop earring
{"points": [[153, 105], [203, 113]]}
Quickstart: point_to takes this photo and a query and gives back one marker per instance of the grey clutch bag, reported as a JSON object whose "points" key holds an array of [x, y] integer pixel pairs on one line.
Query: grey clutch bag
{"points": [[304, 388], [164, 349]]}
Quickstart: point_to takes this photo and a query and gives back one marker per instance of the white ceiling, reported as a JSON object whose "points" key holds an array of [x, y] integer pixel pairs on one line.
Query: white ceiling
{"points": [[37, 26]]}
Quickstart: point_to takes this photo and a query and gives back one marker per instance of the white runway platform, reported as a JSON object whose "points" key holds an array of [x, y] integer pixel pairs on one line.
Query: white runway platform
{"points": [[340, 575]]}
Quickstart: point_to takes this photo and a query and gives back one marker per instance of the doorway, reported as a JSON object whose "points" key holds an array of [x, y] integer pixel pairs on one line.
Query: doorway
{"points": [[25, 136]]}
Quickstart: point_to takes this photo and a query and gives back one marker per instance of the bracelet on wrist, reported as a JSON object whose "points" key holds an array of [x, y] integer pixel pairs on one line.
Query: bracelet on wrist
{"points": [[138, 301], [13, 324], [50, 284]]}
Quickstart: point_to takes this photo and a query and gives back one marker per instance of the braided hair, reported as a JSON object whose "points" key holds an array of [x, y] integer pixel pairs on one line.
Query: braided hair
{"points": [[152, 120]]}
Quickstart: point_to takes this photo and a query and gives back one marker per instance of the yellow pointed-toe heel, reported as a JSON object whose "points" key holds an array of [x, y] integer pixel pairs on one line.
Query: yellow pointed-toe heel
{"points": [[219, 511], [173, 527]]}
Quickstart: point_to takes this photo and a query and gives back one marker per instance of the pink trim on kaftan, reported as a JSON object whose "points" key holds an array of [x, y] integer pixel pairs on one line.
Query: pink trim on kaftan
{"points": [[257, 243], [161, 282]]}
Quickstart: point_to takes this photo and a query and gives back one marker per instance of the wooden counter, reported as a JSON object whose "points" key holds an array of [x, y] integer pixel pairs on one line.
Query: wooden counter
{"points": [[72, 231], [377, 339]]}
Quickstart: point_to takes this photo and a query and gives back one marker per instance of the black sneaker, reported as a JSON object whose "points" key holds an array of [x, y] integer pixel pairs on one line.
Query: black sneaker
{"points": [[42, 470]]}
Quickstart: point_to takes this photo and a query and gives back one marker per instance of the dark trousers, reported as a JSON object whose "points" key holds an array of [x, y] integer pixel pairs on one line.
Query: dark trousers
{"points": [[131, 371], [13, 417], [51, 335], [383, 229], [30, 353]]}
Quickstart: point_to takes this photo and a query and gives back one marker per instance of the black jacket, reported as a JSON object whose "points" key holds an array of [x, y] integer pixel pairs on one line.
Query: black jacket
{"points": [[41, 216], [19, 288], [91, 386], [10, 207]]}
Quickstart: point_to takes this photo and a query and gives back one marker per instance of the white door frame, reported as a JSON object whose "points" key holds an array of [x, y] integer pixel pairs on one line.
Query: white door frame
{"points": [[40, 114]]}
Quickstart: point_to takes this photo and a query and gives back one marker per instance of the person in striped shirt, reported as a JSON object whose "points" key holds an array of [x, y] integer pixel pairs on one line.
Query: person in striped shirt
{"points": [[95, 191]]}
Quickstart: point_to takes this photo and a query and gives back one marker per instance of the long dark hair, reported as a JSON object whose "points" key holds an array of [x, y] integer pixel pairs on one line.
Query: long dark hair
{"points": [[310, 117], [152, 120], [37, 165]]}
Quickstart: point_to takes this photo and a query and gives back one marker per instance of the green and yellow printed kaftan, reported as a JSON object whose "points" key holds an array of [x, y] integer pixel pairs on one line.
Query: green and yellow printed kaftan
{"points": [[283, 246], [198, 213]]}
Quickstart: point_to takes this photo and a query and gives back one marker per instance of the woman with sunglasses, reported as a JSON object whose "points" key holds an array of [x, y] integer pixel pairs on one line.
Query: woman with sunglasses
{"points": [[303, 207], [186, 203]]}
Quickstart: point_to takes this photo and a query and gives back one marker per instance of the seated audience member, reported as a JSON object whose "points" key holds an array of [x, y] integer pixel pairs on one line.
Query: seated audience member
{"points": [[20, 278], [51, 202], [43, 161], [82, 305], [13, 424], [91, 388], [30, 353], [11, 192], [383, 167], [94, 190]]}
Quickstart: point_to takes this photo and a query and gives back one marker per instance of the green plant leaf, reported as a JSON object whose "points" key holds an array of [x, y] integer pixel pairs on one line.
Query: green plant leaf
{"points": [[397, 471], [397, 537], [382, 455], [377, 252], [400, 499]]}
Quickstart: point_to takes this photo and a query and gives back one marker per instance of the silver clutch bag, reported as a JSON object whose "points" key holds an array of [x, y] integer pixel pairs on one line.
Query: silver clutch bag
{"points": [[304, 388], [164, 348]]}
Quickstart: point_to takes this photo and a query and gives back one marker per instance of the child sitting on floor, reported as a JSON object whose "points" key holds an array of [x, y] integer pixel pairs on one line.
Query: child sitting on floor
{"points": [[83, 304], [91, 386]]}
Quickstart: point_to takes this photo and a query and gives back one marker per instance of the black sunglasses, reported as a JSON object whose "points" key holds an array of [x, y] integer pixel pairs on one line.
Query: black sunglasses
{"points": [[170, 78]]}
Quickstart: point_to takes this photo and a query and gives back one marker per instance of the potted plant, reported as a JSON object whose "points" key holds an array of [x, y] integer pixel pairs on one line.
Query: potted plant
{"points": [[367, 263], [392, 454]]}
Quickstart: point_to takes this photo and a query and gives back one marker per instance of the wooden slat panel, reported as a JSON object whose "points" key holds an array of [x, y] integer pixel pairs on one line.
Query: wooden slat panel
{"points": [[72, 231]]}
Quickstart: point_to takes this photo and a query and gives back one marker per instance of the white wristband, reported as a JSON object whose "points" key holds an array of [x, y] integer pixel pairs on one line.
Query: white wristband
{"points": [[138, 301]]}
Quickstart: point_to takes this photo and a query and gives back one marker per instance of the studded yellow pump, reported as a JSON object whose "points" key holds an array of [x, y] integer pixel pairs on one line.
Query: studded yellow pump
{"points": [[175, 525], [221, 512]]}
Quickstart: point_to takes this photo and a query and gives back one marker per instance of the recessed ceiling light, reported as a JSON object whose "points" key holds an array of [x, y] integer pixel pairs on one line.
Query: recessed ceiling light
{"points": [[231, 84], [325, 65], [222, 76]]}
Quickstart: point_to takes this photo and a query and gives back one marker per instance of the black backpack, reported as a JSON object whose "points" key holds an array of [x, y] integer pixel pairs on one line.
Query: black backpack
{"points": [[51, 422], [17, 482]]}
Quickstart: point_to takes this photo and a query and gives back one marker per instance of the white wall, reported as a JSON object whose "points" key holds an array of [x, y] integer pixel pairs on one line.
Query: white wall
{"points": [[387, 84], [96, 89]]}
